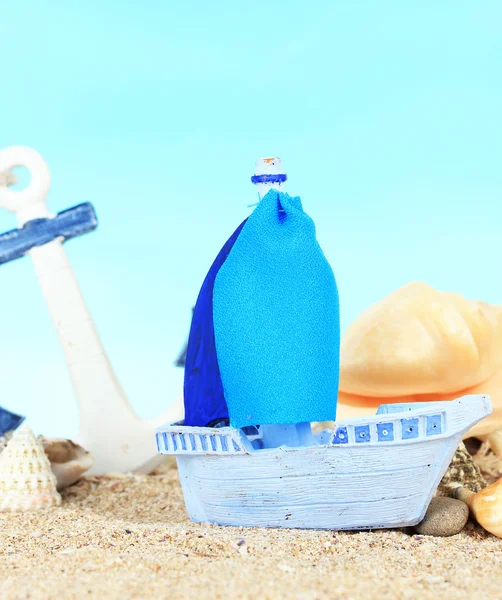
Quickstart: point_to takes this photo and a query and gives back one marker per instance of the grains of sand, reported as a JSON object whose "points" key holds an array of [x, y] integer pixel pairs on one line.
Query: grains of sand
{"points": [[121, 537]]}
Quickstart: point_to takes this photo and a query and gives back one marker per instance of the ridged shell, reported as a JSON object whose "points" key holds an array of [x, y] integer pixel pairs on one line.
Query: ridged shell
{"points": [[26, 480], [462, 470]]}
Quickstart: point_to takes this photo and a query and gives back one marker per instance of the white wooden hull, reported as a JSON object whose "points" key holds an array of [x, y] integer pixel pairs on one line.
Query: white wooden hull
{"points": [[351, 485]]}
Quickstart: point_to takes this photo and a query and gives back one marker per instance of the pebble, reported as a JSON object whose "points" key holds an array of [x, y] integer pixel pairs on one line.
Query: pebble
{"points": [[444, 517]]}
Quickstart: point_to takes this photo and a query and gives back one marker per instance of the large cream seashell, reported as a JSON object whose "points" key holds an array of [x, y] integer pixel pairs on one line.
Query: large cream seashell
{"points": [[485, 505], [69, 461], [26, 480], [419, 345], [418, 341]]}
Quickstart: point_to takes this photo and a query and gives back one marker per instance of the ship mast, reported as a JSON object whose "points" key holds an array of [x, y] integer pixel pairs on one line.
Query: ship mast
{"points": [[109, 428], [269, 175]]}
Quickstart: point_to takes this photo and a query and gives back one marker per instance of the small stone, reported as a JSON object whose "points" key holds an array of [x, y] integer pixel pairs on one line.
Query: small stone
{"points": [[444, 517]]}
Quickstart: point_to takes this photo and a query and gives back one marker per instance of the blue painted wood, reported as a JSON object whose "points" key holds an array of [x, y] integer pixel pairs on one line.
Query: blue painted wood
{"points": [[341, 436], [362, 433], [434, 425], [409, 428], [9, 421], [274, 436], [339, 480], [67, 224], [385, 432]]}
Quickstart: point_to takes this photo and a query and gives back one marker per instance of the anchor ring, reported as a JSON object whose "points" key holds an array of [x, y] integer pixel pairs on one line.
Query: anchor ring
{"points": [[30, 203]]}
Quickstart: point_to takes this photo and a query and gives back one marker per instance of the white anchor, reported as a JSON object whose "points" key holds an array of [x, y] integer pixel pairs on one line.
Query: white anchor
{"points": [[109, 428]]}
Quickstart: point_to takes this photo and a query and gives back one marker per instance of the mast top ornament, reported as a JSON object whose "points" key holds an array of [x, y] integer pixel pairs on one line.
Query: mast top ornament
{"points": [[269, 175]]}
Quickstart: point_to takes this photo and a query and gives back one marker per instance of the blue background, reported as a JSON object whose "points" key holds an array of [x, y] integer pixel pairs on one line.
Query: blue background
{"points": [[386, 115]]}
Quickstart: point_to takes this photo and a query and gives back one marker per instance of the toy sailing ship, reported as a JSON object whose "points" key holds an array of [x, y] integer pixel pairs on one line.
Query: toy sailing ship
{"points": [[262, 364]]}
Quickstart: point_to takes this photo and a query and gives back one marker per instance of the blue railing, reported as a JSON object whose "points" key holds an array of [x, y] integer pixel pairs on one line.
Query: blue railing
{"points": [[175, 441]]}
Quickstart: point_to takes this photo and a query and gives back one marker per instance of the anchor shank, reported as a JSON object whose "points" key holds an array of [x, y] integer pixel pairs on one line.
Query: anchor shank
{"points": [[96, 386], [105, 412]]}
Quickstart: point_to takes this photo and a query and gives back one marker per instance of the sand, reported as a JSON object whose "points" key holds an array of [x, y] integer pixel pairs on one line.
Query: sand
{"points": [[129, 537]]}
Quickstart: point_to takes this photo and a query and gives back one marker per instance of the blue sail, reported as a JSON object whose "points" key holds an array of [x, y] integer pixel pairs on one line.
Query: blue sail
{"points": [[203, 391], [276, 320]]}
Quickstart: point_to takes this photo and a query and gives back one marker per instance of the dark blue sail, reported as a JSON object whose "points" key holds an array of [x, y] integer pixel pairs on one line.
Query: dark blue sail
{"points": [[203, 390]]}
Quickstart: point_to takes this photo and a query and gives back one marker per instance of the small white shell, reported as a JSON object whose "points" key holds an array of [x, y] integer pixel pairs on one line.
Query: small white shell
{"points": [[69, 461], [26, 480]]}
